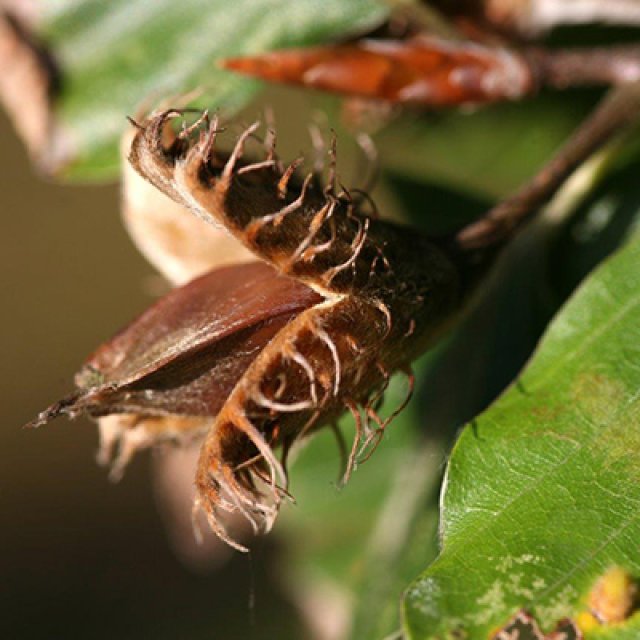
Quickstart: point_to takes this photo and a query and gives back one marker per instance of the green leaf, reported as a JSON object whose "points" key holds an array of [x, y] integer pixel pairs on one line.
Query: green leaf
{"points": [[542, 490], [487, 152], [118, 56]]}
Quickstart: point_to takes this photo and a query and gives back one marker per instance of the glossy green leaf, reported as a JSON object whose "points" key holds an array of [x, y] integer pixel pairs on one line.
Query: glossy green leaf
{"points": [[120, 56], [542, 490]]}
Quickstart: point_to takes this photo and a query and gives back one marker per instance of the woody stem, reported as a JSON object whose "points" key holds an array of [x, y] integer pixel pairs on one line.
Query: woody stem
{"points": [[564, 68], [618, 110], [537, 16]]}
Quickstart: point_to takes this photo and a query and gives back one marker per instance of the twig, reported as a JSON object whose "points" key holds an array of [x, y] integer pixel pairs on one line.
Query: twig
{"points": [[618, 110], [564, 68], [532, 17], [535, 16]]}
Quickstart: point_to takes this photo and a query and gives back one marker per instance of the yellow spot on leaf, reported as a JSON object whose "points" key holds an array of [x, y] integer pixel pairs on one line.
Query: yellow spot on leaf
{"points": [[586, 621], [613, 596]]}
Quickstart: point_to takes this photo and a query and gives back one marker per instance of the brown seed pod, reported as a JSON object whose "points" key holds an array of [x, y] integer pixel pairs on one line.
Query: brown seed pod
{"points": [[386, 294], [259, 355], [269, 353]]}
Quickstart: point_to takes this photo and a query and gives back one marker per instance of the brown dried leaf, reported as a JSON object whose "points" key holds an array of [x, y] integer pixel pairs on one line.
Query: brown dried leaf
{"points": [[28, 82], [423, 70]]}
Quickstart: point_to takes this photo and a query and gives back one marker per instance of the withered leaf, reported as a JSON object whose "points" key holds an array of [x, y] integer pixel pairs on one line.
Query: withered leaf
{"points": [[29, 79], [423, 70]]}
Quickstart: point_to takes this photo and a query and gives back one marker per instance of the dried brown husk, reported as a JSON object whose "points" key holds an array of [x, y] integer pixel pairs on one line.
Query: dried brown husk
{"points": [[257, 356]]}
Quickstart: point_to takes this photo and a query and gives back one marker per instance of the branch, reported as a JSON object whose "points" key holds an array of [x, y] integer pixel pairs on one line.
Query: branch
{"points": [[533, 17], [564, 68], [618, 110]]}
